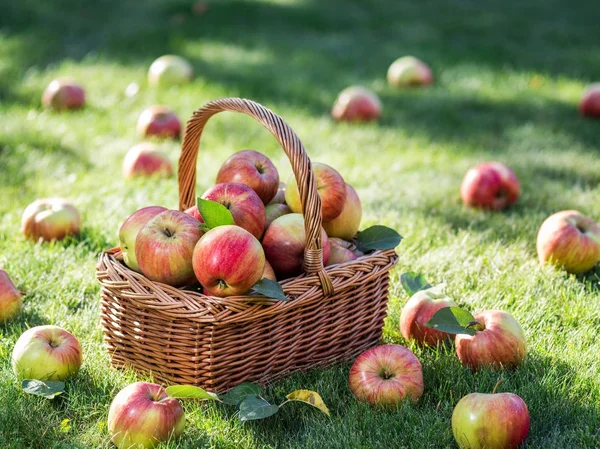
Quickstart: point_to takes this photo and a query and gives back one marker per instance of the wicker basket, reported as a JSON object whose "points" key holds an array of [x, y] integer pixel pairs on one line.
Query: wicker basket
{"points": [[184, 337]]}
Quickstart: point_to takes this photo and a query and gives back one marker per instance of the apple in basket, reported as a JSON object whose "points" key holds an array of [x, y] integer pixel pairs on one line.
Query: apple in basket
{"points": [[146, 159], [10, 298], [63, 93], [280, 195], [170, 70], [164, 248], [490, 185], [50, 219], [346, 224], [253, 169], [409, 71], [342, 251], [158, 121], [356, 104], [275, 210]]}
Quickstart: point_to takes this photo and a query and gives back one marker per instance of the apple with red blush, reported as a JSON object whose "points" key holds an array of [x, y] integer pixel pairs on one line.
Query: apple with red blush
{"points": [[146, 159], [63, 94], [129, 230], [275, 210], [50, 219], [356, 104], [11, 302], [589, 105], [409, 71], [490, 185], [346, 224], [170, 70], [280, 195], [342, 251], [159, 121]]}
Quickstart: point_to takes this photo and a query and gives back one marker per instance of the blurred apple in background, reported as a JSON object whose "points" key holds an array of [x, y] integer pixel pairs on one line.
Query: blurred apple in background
{"points": [[275, 210], [63, 93], [46, 353], [356, 103], [146, 159], [143, 415], [170, 70], [280, 195], [569, 240], [164, 248], [409, 71], [490, 185], [253, 169], [129, 230], [342, 251], [417, 311], [159, 121], [50, 219], [590, 101], [346, 224], [10, 298], [330, 186], [386, 375]]}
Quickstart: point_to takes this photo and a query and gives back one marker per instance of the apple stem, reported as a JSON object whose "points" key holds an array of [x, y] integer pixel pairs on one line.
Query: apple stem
{"points": [[497, 385], [477, 325]]}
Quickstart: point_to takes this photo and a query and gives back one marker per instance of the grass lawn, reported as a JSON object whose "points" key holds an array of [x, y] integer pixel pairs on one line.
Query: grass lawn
{"points": [[508, 79]]}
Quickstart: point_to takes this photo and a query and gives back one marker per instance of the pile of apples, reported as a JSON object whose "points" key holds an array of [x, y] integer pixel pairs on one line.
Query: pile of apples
{"points": [[265, 237]]}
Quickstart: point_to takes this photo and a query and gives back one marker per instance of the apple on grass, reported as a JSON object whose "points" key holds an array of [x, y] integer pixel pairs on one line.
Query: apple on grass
{"points": [[569, 240], [129, 230], [10, 298], [159, 121], [342, 251], [146, 159], [143, 415], [46, 353], [50, 219], [386, 375], [228, 261], [346, 224], [253, 169], [170, 70], [63, 93], [356, 104], [590, 102], [490, 185], [164, 248], [409, 71]]}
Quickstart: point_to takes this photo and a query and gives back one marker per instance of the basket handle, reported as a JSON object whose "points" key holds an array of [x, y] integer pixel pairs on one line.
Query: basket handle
{"points": [[301, 165]]}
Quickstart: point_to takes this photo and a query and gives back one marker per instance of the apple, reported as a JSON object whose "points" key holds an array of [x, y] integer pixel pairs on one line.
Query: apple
{"points": [[284, 243], [356, 103], [194, 212], [490, 185], [330, 186], [498, 342], [159, 121], [46, 353], [280, 195], [10, 298], [346, 224], [275, 210], [170, 70], [342, 251], [590, 102], [409, 71], [143, 415], [164, 248], [268, 272], [129, 230], [569, 240], [228, 261], [417, 311], [50, 219], [386, 375], [253, 169], [63, 93], [490, 421], [246, 207], [146, 159]]}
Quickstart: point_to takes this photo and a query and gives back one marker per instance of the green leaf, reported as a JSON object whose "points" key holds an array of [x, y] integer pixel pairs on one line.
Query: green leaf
{"points": [[213, 213], [48, 389], [309, 397], [255, 407], [237, 394], [377, 237], [270, 288], [413, 282], [191, 392], [452, 320]]}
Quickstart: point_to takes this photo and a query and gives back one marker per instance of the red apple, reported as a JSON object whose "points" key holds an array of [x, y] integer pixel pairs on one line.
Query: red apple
{"points": [[46, 353], [280, 195], [146, 159], [490, 421], [417, 311], [143, 415], [331, 188], [386, 375], [170, 70], [356, 103], [246, 207], [342, 251], [268, 272], [63, 93], [284, 243], [569, 240], [50, 219], [491, 185], [409, 71], [346, 224], [194, 212], [253, 169], [228, 261], [590, 102], [498, 342], [159, 121], [10, 298], [275, 210], [129, 230], [164, 248]]}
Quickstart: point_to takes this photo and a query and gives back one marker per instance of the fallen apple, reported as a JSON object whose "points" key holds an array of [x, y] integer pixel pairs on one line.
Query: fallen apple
{"points": [[50, 219], [10, 298], [62, 94], [590, 101], [159, 121], [146, 159], [170, 70], [356, 103], [346, 224], [490, 185], [409, 71]]}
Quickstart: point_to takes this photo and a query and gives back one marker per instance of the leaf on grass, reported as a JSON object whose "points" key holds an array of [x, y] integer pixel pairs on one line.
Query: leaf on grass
{"points": [[452, 320], [191, 392], [309, 397], [413, 282], [237, 394], [270, 289], [214, 214], [377, 237], [255, 407], [48, 389]]}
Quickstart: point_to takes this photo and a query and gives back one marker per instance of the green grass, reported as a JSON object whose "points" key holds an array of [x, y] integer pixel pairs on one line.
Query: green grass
{"points": [[508, 79]]}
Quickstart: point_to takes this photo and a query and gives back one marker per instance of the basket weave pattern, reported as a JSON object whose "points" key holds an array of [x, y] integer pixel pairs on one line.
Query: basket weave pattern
{"points": [[184, 337]]}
